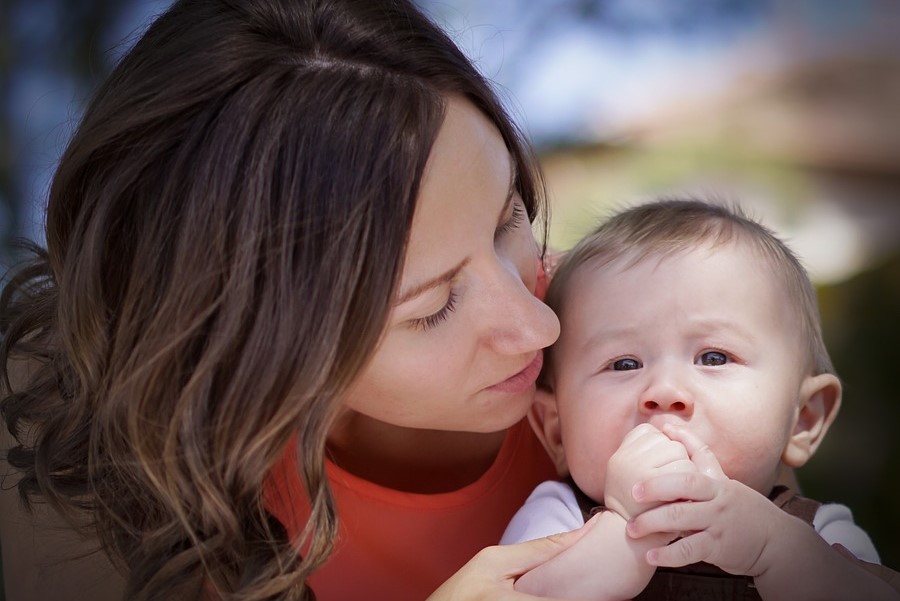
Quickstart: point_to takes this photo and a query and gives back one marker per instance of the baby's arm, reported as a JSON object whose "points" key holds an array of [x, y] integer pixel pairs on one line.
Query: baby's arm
{"points": [[739, 530], [606, 563], [889, 576]]}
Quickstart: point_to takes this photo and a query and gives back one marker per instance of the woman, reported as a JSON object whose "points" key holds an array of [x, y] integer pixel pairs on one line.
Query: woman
{"points": [[289, 258]]}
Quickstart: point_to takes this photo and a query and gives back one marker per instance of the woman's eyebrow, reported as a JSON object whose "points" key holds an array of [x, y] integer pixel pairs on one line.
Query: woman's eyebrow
{"points": [[447, 276], [434, 282]]}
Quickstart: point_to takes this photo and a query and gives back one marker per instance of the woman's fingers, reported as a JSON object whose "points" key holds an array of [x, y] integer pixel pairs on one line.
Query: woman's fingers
{"points": [[493, 571], [515, 560]]}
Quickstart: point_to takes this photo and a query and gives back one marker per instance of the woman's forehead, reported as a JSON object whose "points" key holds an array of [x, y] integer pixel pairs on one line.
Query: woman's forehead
{"points": [[467, 180]]}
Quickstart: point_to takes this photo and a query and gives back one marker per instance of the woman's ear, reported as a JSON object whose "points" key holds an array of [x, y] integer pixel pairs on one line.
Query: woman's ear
{"points": [[820, 399], [544, 419]]}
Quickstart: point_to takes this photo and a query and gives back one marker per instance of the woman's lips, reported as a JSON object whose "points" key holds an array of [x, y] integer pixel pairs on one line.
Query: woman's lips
{"points": [[523, 380]]}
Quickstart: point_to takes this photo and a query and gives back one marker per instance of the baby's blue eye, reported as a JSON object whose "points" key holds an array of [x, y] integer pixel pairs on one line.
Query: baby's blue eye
{"points": [[713, 358], [626, 364]]}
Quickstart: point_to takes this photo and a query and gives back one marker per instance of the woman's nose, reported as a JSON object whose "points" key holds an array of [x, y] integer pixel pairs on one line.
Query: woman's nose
{"points": [[518, 322]]}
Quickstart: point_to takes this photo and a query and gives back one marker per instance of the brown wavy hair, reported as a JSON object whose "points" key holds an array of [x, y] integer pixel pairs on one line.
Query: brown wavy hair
{"points": [[225, 232]]}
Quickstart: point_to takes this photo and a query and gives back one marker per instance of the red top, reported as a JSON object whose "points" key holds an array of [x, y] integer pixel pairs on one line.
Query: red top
{"points": [[396, 545]]}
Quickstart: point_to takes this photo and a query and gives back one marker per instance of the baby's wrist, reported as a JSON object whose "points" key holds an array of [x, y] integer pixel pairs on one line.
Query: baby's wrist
{"points": [[629, 509], [614, 505]]}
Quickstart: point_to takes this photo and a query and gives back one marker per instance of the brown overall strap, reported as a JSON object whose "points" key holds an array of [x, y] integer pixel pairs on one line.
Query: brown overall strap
{"points": [[589, 508], [705, 582]]}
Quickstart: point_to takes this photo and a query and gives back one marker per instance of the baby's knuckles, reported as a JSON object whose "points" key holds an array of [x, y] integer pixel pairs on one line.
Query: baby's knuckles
{"points": [[645, 451], [619, 479], [627, 466], [741, 525]]}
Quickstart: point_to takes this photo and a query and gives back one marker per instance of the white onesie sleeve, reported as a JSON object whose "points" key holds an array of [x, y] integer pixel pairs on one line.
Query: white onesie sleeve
{"points": [[834, 523], [550, 509]]}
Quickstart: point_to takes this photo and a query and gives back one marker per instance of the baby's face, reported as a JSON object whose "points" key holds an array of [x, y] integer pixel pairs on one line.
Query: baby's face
{"points": [[704, 339]]}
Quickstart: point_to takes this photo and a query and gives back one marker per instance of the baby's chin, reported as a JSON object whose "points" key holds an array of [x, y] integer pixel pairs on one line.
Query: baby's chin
{"points": [[593, 492]]}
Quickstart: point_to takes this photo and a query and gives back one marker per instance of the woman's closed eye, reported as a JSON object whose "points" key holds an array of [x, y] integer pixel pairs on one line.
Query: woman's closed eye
{"points": [[430, 321], [516, 218]]}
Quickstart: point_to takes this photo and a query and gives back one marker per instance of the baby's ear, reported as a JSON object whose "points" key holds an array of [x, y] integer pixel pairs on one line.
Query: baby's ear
{"points": [[820, 399], [544, 419]]}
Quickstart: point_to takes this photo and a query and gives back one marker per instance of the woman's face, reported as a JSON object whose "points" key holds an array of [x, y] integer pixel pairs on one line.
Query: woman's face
{"points": [[463, 343]]}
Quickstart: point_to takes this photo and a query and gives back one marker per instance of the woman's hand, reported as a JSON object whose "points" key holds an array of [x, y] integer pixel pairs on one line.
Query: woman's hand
{"points": [[493, 571]]}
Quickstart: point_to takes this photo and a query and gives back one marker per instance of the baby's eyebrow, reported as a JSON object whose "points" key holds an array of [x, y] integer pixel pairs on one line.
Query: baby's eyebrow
{"points": [[607, 335], [717, 325]]}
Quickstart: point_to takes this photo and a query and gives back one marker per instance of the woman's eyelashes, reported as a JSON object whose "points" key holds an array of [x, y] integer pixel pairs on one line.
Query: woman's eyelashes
{"points": [[516, 217], [428, 322]]}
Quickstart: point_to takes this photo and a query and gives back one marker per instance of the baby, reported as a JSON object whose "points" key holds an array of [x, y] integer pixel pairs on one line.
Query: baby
{"points": [[689, 377]]}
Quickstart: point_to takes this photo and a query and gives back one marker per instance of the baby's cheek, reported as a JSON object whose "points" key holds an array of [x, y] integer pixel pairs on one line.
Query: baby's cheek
{"points": [[589, 474], [755, 467]]}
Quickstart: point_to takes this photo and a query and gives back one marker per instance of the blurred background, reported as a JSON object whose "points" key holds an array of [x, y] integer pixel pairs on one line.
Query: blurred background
{"points": [[791, 108]]}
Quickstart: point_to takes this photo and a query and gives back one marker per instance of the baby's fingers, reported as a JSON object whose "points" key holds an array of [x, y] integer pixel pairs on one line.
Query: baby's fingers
{"points": [[684, 551], [677, 517], [640, 431], [699, 451], [677, 486]]}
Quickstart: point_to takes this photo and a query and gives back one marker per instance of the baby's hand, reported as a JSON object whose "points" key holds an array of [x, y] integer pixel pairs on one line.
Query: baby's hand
{"points": [[732, 526], [725, 522], [645, 452]]}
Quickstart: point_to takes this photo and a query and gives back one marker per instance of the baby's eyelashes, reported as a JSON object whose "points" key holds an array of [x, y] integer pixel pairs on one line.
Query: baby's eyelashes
{"points": [[712, 358], [626, 364]]}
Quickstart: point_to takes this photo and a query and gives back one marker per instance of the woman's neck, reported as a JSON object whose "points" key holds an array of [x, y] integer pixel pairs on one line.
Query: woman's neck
{"points": [[411, 459]]}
